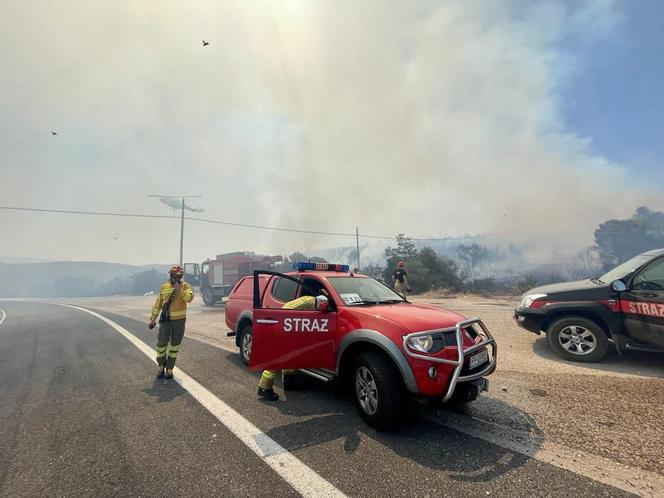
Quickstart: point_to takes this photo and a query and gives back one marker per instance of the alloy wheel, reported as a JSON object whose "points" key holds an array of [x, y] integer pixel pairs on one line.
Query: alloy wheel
{"points": [[246, 346], [366, 390], [577, 340]]}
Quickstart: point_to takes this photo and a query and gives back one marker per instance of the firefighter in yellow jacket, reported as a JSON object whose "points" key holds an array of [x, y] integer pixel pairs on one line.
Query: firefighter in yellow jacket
{"points": [[171, 309], [265, 385]]}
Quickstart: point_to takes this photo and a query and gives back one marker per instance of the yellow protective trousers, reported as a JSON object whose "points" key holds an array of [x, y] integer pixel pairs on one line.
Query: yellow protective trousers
{"points": [[268, 376], [168, 342]]}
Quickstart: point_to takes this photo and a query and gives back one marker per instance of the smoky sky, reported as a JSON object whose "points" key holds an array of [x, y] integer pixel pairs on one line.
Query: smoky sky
{"points": [[429, 118]]}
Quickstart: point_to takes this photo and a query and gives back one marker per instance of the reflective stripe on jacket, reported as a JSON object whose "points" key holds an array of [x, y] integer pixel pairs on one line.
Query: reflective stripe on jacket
{"points": [[301, 303], [178, 309]]}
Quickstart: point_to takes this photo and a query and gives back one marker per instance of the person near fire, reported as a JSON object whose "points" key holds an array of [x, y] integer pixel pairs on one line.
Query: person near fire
{"points": [[400, 279], [171, 309]]}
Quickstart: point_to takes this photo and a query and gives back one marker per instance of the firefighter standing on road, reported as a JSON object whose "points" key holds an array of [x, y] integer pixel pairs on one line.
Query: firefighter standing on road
{"points": [[400, 279], [265, 385], [171, 308]]}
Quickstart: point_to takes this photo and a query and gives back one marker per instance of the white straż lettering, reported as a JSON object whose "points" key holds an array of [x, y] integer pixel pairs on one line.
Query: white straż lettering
{"points": [[306, 325]]}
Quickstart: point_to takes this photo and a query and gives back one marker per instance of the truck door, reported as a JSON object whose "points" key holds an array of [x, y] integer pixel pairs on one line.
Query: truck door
{"points": [[192, 274], [643, 305], [291, 338]]}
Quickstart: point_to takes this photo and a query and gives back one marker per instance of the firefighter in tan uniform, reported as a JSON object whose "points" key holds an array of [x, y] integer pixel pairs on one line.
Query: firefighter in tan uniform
{"points": [[171, 308], [265, 386], [400, 279]]}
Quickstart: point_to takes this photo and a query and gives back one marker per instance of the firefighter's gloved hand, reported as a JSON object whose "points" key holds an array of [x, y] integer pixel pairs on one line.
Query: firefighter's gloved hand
{"points": [[152, 324]]}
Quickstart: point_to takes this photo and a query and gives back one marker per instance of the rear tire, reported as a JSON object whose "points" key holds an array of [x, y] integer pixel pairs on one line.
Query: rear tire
{"points": [[245, 340], [208, 298], [577, 339], [377, 390]]}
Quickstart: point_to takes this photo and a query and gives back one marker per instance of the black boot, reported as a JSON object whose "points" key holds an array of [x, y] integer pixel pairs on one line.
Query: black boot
{"points": [[160, 373], [268, 394], [169, 373]]}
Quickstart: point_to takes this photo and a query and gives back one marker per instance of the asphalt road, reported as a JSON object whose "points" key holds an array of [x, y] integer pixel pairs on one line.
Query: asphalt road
{"points": [[82, 415]]}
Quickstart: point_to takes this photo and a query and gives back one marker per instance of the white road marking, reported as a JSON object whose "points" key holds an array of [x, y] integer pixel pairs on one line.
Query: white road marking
{"points": [[302, 478], [3, 315], [597, 468]]}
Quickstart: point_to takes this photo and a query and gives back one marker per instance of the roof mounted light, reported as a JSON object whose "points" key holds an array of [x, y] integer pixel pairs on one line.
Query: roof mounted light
{"points": [[308, 266]]}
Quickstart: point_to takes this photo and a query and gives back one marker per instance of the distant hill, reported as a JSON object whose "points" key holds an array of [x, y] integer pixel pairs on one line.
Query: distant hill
{"points": [[14, 260], [71, 278]]}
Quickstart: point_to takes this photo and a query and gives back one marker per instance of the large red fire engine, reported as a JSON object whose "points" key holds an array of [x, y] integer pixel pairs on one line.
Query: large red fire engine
{"points": [[216, 277]]}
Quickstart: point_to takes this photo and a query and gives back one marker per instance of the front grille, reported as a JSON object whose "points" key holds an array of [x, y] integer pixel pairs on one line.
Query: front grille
{"points": [[448, 339], [472, 333], [444, 340]]}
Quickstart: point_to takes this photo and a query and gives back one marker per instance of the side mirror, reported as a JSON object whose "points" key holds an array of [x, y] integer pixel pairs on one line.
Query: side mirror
{"points": [[322, 303], [618, 286]]}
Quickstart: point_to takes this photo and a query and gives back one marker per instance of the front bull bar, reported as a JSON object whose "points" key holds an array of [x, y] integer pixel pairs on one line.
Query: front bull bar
{"points": [[458, 364]]}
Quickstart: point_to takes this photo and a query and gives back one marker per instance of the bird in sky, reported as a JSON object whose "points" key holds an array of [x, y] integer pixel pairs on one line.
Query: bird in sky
{"points": [[205, 43], [53, 133]]}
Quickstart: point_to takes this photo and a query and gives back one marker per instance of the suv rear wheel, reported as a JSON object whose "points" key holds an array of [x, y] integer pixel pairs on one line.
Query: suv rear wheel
{"points": [[577, 339], [378, 391], [246, 337]]}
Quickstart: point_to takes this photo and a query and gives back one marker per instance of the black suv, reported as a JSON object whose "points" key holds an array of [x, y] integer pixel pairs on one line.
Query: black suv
{"points": [[624, 306]]}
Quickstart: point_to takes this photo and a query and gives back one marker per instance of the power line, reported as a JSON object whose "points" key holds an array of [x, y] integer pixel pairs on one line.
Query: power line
{"points": [[94, 213], [230, 223]]}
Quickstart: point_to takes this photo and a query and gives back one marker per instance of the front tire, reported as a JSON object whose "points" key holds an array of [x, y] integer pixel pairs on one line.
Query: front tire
{"points": [[246, 339], [577, 339], [377, 390]]}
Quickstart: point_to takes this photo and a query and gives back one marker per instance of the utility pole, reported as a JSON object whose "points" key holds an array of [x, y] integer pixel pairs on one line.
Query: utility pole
{"points": [[357, 244], [181, 230], [164, 199]]}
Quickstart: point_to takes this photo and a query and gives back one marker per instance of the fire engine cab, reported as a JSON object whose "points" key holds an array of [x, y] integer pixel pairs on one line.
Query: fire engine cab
{"points": [[361, 331]]}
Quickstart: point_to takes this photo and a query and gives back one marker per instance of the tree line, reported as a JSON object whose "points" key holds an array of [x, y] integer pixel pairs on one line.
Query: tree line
{"points": [[615, 240]]}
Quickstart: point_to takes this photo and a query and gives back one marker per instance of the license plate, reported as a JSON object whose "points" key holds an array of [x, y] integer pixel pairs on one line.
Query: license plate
{"points": [[477, 359]]}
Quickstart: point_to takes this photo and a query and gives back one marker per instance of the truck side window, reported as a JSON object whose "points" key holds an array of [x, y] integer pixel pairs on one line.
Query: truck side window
{"points": [[313, 284], [651, 278], [284, 290]]}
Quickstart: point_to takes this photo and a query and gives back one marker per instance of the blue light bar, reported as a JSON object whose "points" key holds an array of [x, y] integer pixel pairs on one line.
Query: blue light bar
{"points": [[307, 266]]}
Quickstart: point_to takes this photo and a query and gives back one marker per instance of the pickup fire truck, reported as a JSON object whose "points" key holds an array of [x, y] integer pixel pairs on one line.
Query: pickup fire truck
{"points": [[363, 332], [624, 306], [216, 277]]}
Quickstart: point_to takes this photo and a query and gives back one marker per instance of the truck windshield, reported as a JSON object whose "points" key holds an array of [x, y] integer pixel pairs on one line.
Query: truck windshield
{"points": [[355, 291], [623, 270]]}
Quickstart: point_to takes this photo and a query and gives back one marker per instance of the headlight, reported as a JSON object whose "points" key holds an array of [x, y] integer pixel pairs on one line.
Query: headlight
{"points": [[422, 343], [528, 299]]}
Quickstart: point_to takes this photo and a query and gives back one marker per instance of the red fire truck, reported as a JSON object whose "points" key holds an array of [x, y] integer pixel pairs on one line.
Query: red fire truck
{"points": [[216, 277]]}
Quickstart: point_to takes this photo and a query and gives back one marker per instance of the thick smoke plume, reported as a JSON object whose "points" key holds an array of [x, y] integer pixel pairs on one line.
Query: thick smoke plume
{"points": [[177, 204], [429, 118]]}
